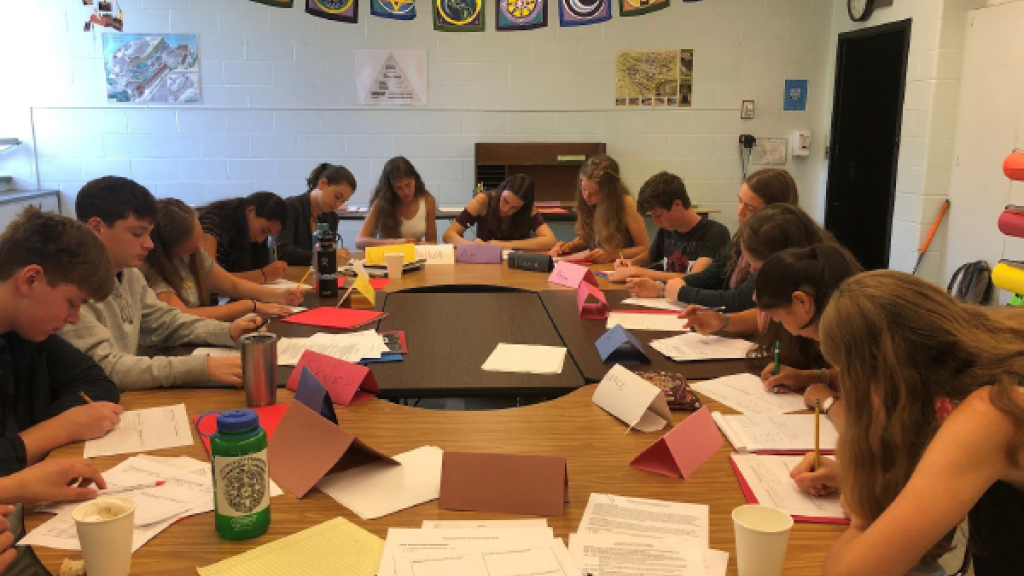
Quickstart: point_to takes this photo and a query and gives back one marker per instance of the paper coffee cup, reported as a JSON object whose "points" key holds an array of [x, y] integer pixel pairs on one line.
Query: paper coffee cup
{"points": [[395, 263], [105, 534], [762, 533]]}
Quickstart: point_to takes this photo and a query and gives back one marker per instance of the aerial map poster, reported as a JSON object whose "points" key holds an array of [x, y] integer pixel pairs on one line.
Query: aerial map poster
{"points": [[654, 78], [151, 68]]}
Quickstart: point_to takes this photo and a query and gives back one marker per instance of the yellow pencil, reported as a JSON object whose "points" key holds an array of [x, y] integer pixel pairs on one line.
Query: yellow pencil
{"points": [[817, 434], [275, 252], [83, 395], [304, 276]]}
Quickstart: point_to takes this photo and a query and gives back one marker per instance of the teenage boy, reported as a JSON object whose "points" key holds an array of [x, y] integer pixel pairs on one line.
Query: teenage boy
{"points": [[685, 242], [121, 213], [49, 266]]}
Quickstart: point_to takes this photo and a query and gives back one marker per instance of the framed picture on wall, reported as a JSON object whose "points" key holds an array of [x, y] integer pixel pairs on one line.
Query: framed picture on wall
{"points": [[151, 68]]}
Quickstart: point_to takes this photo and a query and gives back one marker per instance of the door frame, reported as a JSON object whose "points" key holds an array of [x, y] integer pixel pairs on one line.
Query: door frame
{"points": [[900, 25]]}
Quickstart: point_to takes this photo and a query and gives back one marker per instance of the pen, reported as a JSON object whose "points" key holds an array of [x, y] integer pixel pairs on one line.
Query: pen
{"points": [[777, 365], [83, 395], [817, 435], [709, 309], [304, 276]]}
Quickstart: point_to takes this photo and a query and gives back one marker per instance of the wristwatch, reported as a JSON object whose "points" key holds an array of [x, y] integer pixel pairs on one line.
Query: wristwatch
{"points": [[827, 404]]}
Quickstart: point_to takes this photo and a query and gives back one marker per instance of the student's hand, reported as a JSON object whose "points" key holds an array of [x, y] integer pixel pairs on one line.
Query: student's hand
{"points": [[244, 325], [621, 272], [821, 482], [283, 295], [89, 421], [269, 309], [559, 248], [599, 256], [224, 370], [275, 270], [53, 480], [788, 380], [672, 289], [478, 241], [621, 263], [642, 287], [817, 392], [343, 257], [703, 320], [7, 552]]}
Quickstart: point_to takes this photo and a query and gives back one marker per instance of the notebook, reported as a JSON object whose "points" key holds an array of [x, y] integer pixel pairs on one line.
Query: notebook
{"points": [[775, 432]]}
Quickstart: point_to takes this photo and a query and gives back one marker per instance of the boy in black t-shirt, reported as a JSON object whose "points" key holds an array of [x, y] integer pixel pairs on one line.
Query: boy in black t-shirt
{"points": [[685, 243]]}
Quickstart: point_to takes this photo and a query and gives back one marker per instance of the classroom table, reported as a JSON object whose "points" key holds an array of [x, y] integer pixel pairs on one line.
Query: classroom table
{"points": [[596, 445]]}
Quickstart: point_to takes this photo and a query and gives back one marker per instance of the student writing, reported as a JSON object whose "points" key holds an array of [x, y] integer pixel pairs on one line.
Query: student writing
{"points": [[607, 222], [685, 242], [401, 209], [504, 216], [121, 213], [235, 232], [183, 275], [328, 187]]}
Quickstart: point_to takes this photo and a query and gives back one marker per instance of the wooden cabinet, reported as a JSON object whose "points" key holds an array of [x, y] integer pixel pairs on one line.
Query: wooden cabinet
{"points": [[12, 203], [554, 166]]}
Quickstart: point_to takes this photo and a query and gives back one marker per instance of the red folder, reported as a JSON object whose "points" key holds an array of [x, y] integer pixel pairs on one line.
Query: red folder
{"points": [[270, 417], [749, 495], [331, 317]]}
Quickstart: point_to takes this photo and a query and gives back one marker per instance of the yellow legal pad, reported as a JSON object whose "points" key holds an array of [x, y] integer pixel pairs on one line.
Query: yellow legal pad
{"points": [[332, 548], [375, 254]]}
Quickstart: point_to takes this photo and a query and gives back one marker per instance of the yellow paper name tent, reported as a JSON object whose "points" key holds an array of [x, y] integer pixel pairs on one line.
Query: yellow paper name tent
{"points": [[375, 254]]}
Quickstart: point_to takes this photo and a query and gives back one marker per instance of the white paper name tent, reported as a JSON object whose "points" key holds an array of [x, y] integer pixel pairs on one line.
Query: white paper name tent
{"points": [[307, 446], [684, 448], [619, 346], [646, 320], [525, 358], [436, 253], [633, 400], [381, 488], [746, 394], [775, 432], [765, 479], [346, 383], [570, 275], [591, 302], [694, 346], [144, 430]]}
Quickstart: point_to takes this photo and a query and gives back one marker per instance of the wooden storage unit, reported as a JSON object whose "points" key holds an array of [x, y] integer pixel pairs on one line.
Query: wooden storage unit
{"points": [[554, 179]]}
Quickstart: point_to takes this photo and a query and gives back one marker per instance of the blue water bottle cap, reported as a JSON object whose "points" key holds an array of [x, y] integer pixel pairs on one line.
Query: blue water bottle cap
{"points": [[237, 420]]}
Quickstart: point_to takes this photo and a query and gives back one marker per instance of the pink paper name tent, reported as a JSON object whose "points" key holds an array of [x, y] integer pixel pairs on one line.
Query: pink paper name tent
{"points": [[570, 275], [346, 383], [591, 302], [478, 253], [684, 448]]}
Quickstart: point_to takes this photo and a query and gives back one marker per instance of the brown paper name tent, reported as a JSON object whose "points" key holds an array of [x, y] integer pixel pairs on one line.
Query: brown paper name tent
{"points": [[508, 483]]}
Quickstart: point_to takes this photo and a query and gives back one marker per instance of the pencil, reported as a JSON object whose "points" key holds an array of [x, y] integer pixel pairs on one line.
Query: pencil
{"points": [[817, 435], [86, 397], [304, 276]]}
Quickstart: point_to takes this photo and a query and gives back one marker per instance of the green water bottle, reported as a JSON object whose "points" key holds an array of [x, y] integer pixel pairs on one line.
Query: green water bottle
{"points": [[241, 476]]}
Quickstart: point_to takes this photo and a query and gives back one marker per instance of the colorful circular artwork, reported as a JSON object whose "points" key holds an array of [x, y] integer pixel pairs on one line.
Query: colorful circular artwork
{"points": [[334, 6], [520, 11], [584, 8], [458, 12]]}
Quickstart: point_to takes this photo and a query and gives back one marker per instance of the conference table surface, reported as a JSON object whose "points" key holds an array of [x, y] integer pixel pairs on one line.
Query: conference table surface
{"points": [[596, 446]]}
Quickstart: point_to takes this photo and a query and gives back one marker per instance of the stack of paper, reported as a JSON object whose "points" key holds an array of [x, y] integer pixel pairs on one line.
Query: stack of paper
{"points": [[694, 346], [351, 347], [509, 551], [144, 430], [526, 358], [619, 535], [746, 394], [646, 320], [775, 432], [185, 489], [658, 303]]}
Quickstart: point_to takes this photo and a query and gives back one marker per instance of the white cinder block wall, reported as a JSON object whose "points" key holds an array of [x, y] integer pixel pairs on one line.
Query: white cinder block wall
{"points": [[278, 97]]}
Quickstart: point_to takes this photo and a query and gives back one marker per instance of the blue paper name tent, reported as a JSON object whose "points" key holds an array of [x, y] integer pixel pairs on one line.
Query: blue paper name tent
{"points": [[313, 394], [619, 346]]}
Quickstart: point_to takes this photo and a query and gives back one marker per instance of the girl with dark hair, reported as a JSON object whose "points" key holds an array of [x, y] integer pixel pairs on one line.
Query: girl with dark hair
{"points": [[607, 222], [729, 271], [504, 216], [401, 209], [935, 428], [327, 188], [235, 231], [182, 274]]}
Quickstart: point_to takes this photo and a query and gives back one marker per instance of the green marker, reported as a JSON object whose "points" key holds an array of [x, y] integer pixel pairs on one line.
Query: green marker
{"points": [[777, 365]]}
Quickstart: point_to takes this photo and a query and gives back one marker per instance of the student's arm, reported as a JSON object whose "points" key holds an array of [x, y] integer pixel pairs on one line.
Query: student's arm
{"points": [[223, 313], [711, 322], [57, 480], [563, 248], [367, 233], [289, 248], [717, 240], [476, 208], [431, 205], [967, 455], [742, 298], [713, 276], [543, 237], [164, 326], [270, 300]]}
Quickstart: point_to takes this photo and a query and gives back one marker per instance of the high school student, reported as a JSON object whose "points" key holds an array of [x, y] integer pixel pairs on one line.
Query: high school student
{"points": [[235, 232], [328, 187], [121, 213], [684, 244], [934, 427], [183, 275], [504, 216], [607, 222], [401, 209]]}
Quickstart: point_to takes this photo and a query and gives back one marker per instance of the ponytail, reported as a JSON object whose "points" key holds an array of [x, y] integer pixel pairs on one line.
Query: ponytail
{"points": [[333, 174]]}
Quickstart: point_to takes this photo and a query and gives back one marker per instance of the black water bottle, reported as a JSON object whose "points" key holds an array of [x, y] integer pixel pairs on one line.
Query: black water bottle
{"points": [[326, 265]]}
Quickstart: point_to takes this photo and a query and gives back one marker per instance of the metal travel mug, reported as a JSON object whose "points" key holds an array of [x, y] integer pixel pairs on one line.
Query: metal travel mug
{"points": [[259, 369]]}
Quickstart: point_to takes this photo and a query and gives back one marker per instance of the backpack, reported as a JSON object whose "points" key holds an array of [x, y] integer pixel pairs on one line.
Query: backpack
{"points": [[972, 283]]}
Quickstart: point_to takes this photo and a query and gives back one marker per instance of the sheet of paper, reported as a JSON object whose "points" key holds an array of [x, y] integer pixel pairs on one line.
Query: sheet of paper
{"points": [[334, 547], [216, 351], [480, 524], [775, 432], [633, 400], [527, 358], [657, 303], [767, 475], [573, 257], [646, 321], [623, 555], [552, 559], [746, 394], [716, 562], [282, 282], [144, 430], [436, 253], [694, 346], [403, 541], [381, 488], [619, 515]]}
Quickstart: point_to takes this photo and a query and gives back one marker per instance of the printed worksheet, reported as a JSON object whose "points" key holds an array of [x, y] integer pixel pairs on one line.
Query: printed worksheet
{"points": [[144, 430]]}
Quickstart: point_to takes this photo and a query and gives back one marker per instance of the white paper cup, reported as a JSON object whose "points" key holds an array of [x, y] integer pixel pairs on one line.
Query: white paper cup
{"points": [[395, 263], [762, 533], [105, 533]]}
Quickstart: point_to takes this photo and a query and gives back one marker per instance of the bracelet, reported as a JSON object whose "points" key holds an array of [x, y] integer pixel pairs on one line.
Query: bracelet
{"points": [[661, 289], [817, 376], [264, 275], [724, 326], [253, 306]]}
